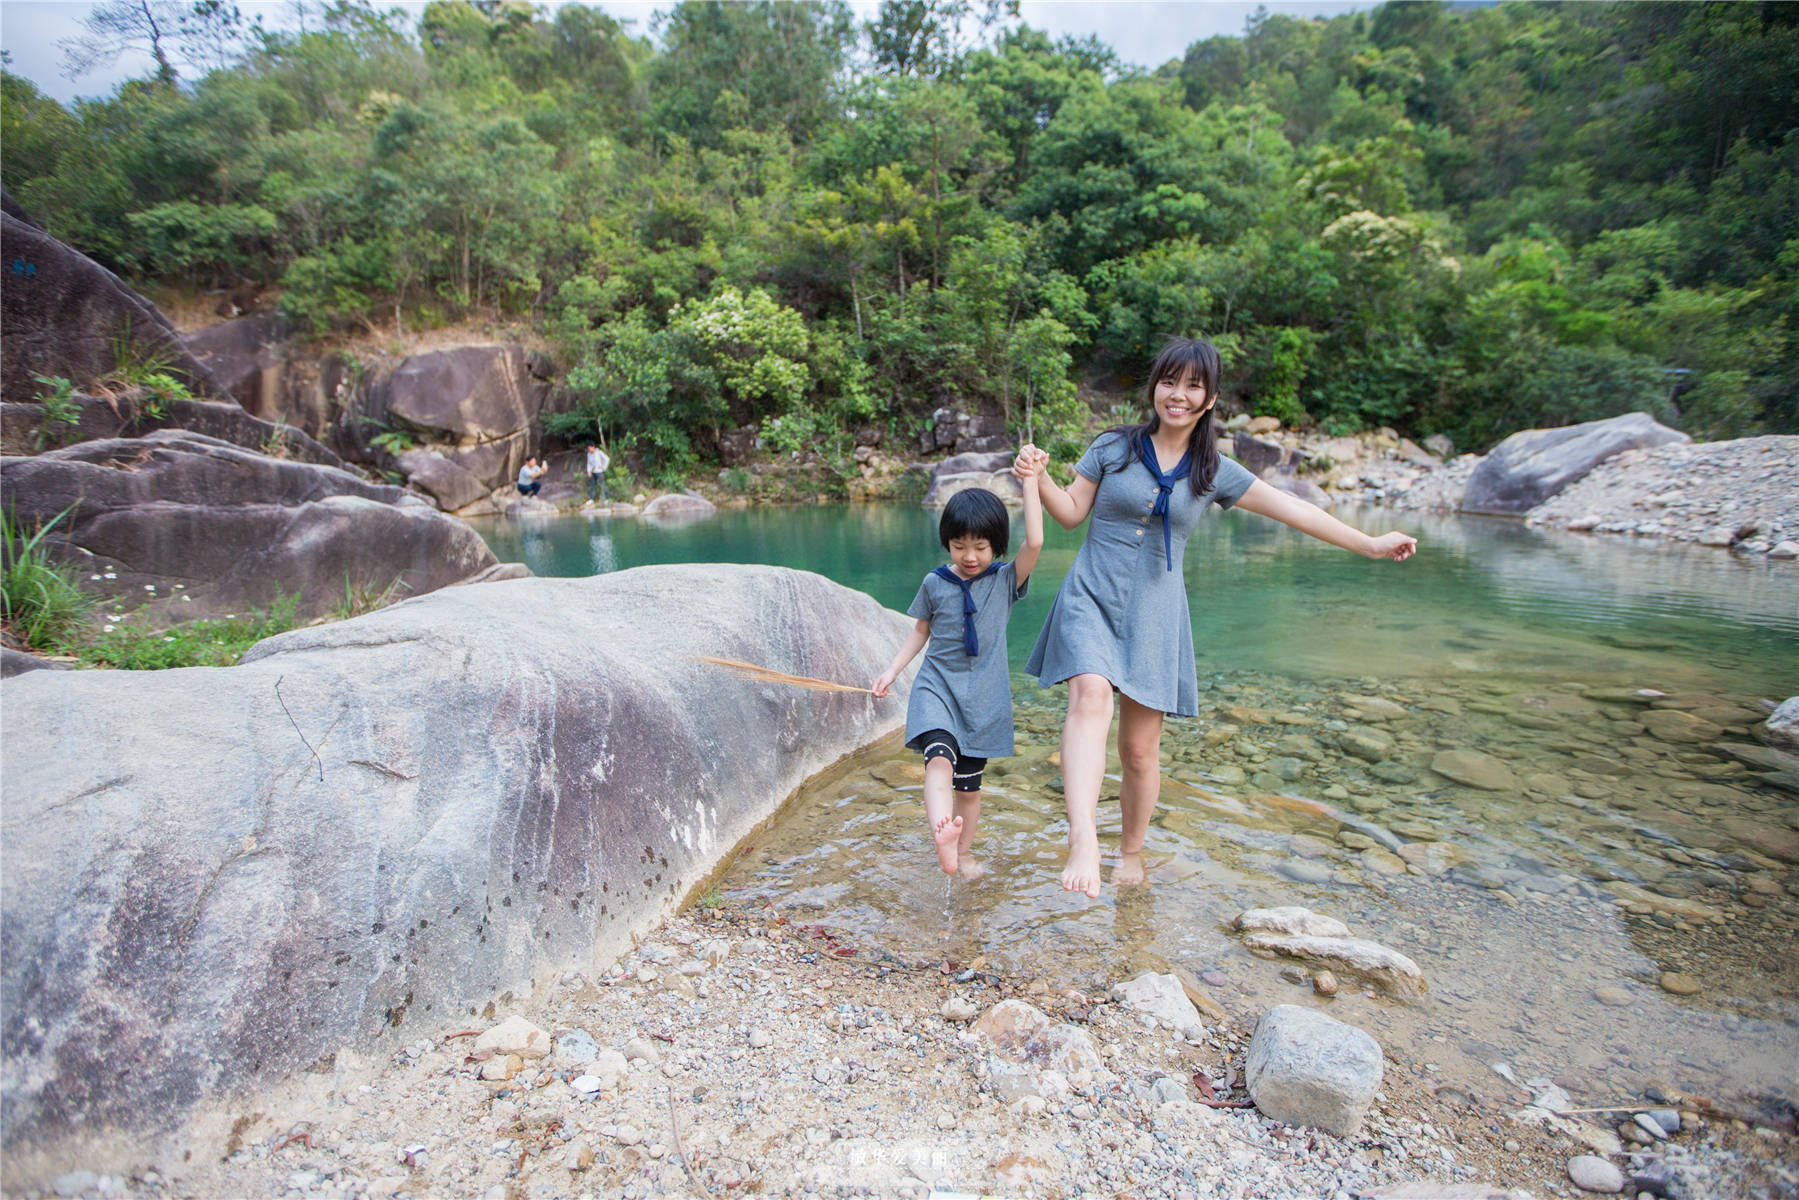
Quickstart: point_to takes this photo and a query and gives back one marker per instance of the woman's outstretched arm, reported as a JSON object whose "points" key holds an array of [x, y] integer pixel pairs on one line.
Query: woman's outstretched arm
{"points": [[1269, 501]]}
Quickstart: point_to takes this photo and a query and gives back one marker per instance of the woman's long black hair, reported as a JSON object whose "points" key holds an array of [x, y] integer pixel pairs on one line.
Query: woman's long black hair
{"points": [[1179, 357]]}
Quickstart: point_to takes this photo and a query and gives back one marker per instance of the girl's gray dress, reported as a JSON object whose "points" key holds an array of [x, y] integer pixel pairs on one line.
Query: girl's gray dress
{"points": [[969, 697], [1120, 612]]}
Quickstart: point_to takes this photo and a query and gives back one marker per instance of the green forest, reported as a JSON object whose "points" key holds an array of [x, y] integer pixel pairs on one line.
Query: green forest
{"points": [[1443, 219]]}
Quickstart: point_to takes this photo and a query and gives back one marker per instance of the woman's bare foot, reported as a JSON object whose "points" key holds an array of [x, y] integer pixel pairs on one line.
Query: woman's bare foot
{"points": [[971, 868], [1130, 870], [945, 835], [1081, 874]]}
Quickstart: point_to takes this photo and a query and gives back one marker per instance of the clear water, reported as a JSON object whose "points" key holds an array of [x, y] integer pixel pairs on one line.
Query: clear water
{"points": [[1616, 854]]}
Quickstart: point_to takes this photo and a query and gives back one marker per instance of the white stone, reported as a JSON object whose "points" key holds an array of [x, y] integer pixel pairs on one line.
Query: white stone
{"points": [[1291, 919], [1593, 1174], [1159, 996], [515, 1035]]}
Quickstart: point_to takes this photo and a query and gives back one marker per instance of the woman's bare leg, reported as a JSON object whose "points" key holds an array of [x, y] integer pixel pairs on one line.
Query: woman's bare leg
{"points": [[1140, 752], [1083, 767]]}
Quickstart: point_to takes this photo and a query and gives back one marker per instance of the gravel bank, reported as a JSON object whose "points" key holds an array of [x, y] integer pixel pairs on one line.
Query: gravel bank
{"points": [[741, 1055]]}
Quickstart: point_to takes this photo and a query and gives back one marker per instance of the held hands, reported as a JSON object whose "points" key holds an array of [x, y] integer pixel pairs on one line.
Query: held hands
{"points": [[1396, 546], [1031, 462]]}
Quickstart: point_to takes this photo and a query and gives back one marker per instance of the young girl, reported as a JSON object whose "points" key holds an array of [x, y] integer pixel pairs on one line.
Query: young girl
{"points": [[960, 713], [1120, 621]]}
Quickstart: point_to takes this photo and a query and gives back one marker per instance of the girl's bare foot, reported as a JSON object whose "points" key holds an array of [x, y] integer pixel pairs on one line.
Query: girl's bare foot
{"points": [[1081, 874], [1130, 870], [971, 868], [945, 835]]}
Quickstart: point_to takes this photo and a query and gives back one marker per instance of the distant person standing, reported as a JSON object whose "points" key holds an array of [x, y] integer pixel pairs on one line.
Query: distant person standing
{"points": [[598, 462], [530, 476]]}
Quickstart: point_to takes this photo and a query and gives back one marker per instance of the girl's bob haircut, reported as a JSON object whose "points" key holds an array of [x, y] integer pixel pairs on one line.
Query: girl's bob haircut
{"points": [[976, 513]]}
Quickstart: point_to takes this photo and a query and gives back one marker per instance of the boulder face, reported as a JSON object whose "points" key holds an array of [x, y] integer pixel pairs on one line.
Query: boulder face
{"points": [[214, 877], [481, 401], [236, 529], [22, 432], [960, 472], [245, 356], [1529, 467], [65, 314]]}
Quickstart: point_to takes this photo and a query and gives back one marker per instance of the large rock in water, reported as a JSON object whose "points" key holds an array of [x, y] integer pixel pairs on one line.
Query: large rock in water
{"points": [[65, 314], [960, 472], [1530, 467], [209, 883], [235, 528]]}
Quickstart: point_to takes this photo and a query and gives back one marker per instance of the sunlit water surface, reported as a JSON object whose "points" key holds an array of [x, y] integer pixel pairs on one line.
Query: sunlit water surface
{"points": [[1543, 913]]}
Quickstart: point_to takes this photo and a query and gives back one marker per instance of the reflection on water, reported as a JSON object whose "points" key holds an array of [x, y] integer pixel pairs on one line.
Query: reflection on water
{"points": [[1586, 840]]}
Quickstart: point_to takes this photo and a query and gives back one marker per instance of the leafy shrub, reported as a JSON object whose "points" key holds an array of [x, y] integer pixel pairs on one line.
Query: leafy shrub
{"points": [[60, 409]]}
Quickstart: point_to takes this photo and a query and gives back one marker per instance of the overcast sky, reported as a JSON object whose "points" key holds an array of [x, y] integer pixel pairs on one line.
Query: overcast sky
{"points": [[1146, 33]]}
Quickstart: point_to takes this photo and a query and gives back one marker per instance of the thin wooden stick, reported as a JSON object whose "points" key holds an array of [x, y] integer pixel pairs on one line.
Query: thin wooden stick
{"points": [[769, 675]]}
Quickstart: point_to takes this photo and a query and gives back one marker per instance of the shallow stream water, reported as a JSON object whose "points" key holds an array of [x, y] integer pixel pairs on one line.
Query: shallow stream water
{"points": [[1598, 813]]}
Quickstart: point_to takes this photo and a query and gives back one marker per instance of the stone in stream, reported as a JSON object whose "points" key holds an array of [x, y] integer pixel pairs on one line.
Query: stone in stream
{"points": [[1366, 742], [1474, 769], [1677, 984], [1374, 708], [1674, 725], [1289, 919], [1305, 1068], [1386, 968], [1782, 726]]}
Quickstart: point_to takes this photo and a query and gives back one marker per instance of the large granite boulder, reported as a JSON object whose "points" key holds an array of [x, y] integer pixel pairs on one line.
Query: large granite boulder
{"points": [[23, 431], [216, 877], [480, 402], [247, 357], [990, 470], [65, 314], [234, 528], [442, 480], [1529, 467]]}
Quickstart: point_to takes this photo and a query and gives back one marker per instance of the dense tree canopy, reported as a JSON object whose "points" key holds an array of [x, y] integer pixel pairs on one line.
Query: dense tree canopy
{"points": [[1440, 220]]}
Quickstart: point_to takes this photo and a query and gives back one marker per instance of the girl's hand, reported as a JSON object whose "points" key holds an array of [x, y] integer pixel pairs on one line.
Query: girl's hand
{"points": [[1396, 546], [883, 685]]}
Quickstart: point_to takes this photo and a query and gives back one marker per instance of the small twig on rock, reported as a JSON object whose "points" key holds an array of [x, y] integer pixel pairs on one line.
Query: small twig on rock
{"points": [[674, 1127], [297, 729], [302, 1133]]}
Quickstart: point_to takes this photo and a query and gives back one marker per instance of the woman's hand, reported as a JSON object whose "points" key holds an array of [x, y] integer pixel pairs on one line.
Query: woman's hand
{"points": [[1396, 546], [1030, 461]]}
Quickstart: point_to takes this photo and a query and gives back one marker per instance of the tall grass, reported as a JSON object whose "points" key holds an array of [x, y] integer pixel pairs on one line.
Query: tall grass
{"points": [[39, 601]]}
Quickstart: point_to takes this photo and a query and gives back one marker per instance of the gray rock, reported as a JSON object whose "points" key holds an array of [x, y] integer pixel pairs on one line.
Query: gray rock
{"points": [[1160, 996], [575, 1048], [1530, 467], [449, 484], [17, 662], [1304, 1068], [1387, 968], [466, 395], [236, 528], [199, 904], [1304, 489], [1366, 742], [1167, 1090], [1591, 1173], [1782, 726], [1289, 919], [963, 471], [63, 314], [1474, 769], [680, 506]]}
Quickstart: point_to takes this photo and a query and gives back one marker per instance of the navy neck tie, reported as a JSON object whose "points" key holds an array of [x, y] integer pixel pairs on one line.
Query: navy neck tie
{"points": [[1146, 451], [970, 642]]}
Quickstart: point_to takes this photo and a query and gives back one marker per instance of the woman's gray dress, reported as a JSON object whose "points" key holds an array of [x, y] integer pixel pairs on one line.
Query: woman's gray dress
{"points": [[1120, 612]]}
